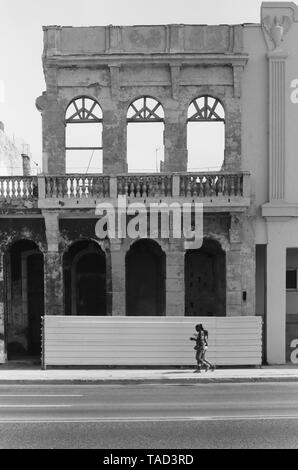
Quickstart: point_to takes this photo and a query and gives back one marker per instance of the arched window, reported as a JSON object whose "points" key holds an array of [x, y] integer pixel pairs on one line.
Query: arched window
{"points": [[205, 134], [145, 144], [83, 143]]}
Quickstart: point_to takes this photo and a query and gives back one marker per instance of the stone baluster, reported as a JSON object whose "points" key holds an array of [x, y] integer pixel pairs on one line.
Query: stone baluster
{"points": [[48, 187], [138, 189], [144, 188], [71, 187], [54, 187], [106, 188], [188, 187], [126, 186], [183, 186], [194, 187], [18, 188], [162, 186], [151, 191], [219, 185], [119, 186], [232, 185], [60, 187]]}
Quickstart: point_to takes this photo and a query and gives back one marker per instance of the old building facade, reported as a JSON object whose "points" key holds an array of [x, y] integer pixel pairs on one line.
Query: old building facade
{"points": [[53, 262]]}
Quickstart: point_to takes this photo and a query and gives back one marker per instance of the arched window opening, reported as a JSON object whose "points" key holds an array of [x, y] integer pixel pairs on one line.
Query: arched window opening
{"points": [[145, 279], [205, 134], [25, 299], [85, 279], [145, 144], [83, 143], [205, 280]]}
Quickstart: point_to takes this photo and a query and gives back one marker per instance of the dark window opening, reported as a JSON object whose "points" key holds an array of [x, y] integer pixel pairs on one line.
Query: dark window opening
{"points": [[145, 279], [208, 298], [25, 299], [85, 279]]}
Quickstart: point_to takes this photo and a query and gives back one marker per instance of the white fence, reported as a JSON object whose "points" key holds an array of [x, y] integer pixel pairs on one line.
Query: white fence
{"points": [[148, 341]]}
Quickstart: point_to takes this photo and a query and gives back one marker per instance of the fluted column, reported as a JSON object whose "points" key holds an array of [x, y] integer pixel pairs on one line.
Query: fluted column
{"points": [[276, 125]]}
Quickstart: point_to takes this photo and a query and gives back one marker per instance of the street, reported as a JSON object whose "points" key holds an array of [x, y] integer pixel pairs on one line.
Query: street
{"points": [[149, 416]]}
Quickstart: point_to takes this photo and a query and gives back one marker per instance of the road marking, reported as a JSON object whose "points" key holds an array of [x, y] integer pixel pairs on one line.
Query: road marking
{"points": [[35, 406], [161, 419], [38, 396]]}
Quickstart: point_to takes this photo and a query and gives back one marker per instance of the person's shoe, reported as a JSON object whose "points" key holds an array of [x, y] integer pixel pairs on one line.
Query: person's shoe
{"points": [[197, 370], [213, 368]]}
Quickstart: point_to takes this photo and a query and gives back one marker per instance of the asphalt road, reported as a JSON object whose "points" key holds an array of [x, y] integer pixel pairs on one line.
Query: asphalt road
{"points": [[149, 416]]}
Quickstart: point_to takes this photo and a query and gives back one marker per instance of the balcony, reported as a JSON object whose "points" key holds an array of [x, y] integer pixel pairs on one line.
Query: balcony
{"points": [[219, 191]]}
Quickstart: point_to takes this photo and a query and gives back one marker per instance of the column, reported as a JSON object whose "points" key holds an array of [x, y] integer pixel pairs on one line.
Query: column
{"points": [[2, 312], [175, 141], [53, 266], [233, 269], [114, 130], [175, 288], [118, 278], [276, 124], [53, 126], [276, 293]]}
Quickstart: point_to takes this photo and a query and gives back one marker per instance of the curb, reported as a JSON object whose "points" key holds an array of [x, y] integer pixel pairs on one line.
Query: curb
{"points": [[205, 380]]}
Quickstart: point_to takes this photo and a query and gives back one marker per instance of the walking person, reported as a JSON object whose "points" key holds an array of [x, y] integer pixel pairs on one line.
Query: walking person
{"points": [[201, 339]]}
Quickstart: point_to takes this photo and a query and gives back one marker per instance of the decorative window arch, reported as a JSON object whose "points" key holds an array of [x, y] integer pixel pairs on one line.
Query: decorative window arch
{"points": [[205, 109], [206, 143], [83, 110], [145, 109], [87, 111], [148, 141]]}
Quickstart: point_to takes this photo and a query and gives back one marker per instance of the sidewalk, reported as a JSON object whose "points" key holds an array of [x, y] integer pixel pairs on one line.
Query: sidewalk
{"points": [[32, 374]]}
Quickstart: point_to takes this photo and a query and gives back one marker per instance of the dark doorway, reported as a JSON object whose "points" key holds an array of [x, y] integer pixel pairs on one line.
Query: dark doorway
{"points": [[85, 279], [25, 299], [205, 280], [145, 279]]}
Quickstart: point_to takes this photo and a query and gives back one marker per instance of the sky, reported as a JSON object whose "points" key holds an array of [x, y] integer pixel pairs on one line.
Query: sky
{"points": [[21, 43]]}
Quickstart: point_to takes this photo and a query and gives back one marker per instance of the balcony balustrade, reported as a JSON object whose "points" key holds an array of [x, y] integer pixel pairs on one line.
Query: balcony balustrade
{"points": [[222, 189], [144, 186], [18, 187], [77, 186]]}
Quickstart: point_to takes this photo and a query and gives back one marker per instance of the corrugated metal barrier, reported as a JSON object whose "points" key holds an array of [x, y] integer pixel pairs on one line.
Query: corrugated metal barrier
{"points": [[148, 341]]}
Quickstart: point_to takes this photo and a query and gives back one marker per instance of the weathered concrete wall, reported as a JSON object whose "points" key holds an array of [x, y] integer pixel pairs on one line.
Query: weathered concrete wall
{"points": [[103, 63], [142, 39]]}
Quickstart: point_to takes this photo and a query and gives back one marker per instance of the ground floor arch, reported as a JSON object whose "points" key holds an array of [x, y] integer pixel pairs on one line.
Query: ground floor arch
{"points": [[24, 266], [85, 279], [145, 279], [205, 280]]}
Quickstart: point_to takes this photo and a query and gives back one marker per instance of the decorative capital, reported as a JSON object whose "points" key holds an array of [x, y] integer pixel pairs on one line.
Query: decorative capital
{"points": [[275, 29]]}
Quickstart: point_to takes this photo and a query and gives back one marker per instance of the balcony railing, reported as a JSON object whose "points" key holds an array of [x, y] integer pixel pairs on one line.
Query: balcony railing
{"points": [[87, 190], [18, 187], [77, 186], [219, 184], [144, 186]]}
